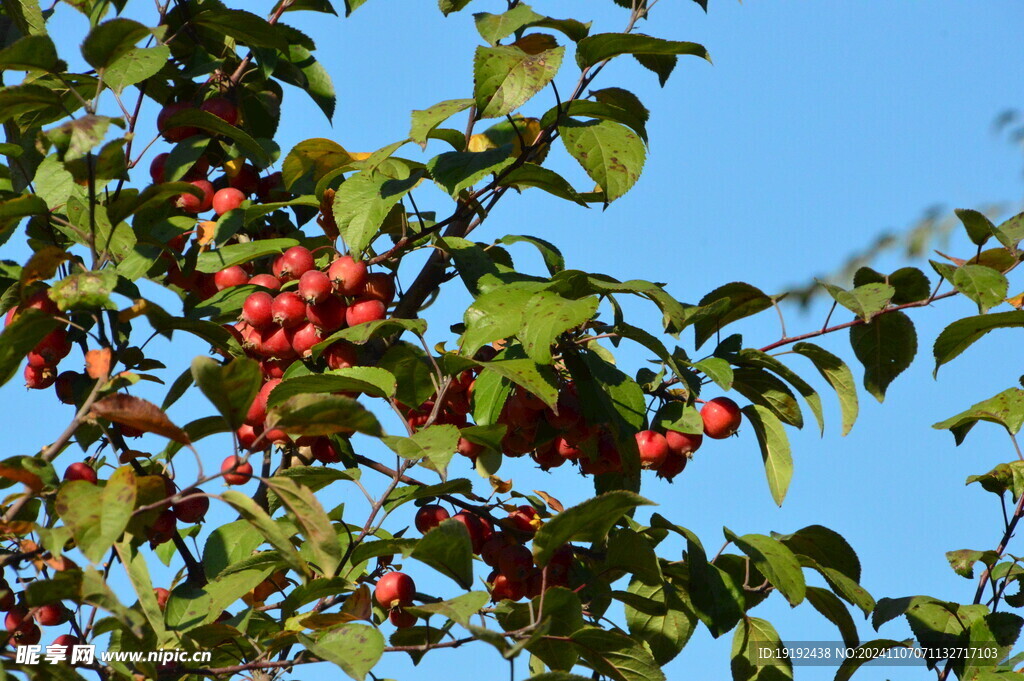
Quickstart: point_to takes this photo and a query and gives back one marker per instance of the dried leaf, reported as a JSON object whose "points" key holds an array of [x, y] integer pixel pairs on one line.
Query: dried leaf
{"points": [[139, 414], [500, 486], [43, 264], [552, 502], [21, 475], [358, 606]]}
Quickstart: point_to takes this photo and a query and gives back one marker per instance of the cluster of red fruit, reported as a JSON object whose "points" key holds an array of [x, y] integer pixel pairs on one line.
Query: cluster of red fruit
{"points": [[41, 370], [23, 624], [281, 328], [554, 436], [190, 509]]}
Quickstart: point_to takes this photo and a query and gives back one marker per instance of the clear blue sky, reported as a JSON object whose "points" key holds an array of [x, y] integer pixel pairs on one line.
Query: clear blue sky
{"points": [[819, 126]]}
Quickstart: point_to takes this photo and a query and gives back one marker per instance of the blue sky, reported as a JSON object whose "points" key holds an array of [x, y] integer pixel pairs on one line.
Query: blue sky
{"points": [[819, 126]]}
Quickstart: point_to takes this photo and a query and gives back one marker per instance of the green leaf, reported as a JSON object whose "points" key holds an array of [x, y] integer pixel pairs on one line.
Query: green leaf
{"points": [[373, 381], [31, 53], [363, 333], [756, 358], [771, 437], [832, 609], [983, 285], [963, 561], [315, 414], [826, 547], [1006, 409], [533, 175], [838, 375], [885, 346], [362, 203], [250, 511], [589, 521], [494, 27], [743, 300], [611, 154], [661, 618], [435, 444], [506, 77], [413, 372], [553, 259], [449, 6], [766, 390], [447, 549], [207, 121], [356, 648], [238, 254], [865, 301], [458, 609], [1011, 232], [536, 378], [27, 16], [19, 337], [97, 516], [547, 316], [245, 27], [775, 561], [230, 387], [632, 552], [747, 665], [494, 315], [616, 655], [321, 537], [963, 333], [313, 158], [304, 71], [1005, 476], [75, 138], [111, 40], [979, 228], [864, 654], [458, 170], [490, 391], [134, 66], [910, 283], [424, 121], [601, 46]]}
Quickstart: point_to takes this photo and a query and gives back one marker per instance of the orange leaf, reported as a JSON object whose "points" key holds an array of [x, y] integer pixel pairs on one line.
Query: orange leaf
{"points": [[18, 528], [139, 414], [554, 503], [22, 476], [500, 486], [97, 362]]}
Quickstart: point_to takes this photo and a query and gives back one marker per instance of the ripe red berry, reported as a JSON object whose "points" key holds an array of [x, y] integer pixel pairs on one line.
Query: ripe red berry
{"points": [[193, 507], [478, 530], [17, 618], [341, 355], [323, 451], [156, 168], [683, 443], [248, 437], [6, 597], [402, 619], [672, 466], [270, 189], [503, 588], [275, 342], [394, 589], [288, 309], [379, 286], [348, 276], [314, 286], [567, 450], [162, 596], [266, 281], [293, 263], [226, 199], [364, 310], [653, 448], [222, 109], [257, 310], [247, 180], [547, 456], [39, 378], [164, 528], [195, 204], [236, 472], [80, 471], [40, 300], [329, 315], [50, 615], [470, 449], [721, 416], [493, 547], [29, 635], [230, 276], [525, 519], [274, 368], [54, 347], [176, 133], [430, 516], [515, 562], [257, 413], [304, 338], [67, 640]]}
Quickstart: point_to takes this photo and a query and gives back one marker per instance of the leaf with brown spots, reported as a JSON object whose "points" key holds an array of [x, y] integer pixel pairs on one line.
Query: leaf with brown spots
{"points": [[43, 264], [139, 414]]}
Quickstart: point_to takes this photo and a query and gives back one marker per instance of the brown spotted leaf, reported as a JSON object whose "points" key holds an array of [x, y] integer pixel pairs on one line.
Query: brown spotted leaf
{"points": [[139, 414]]}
